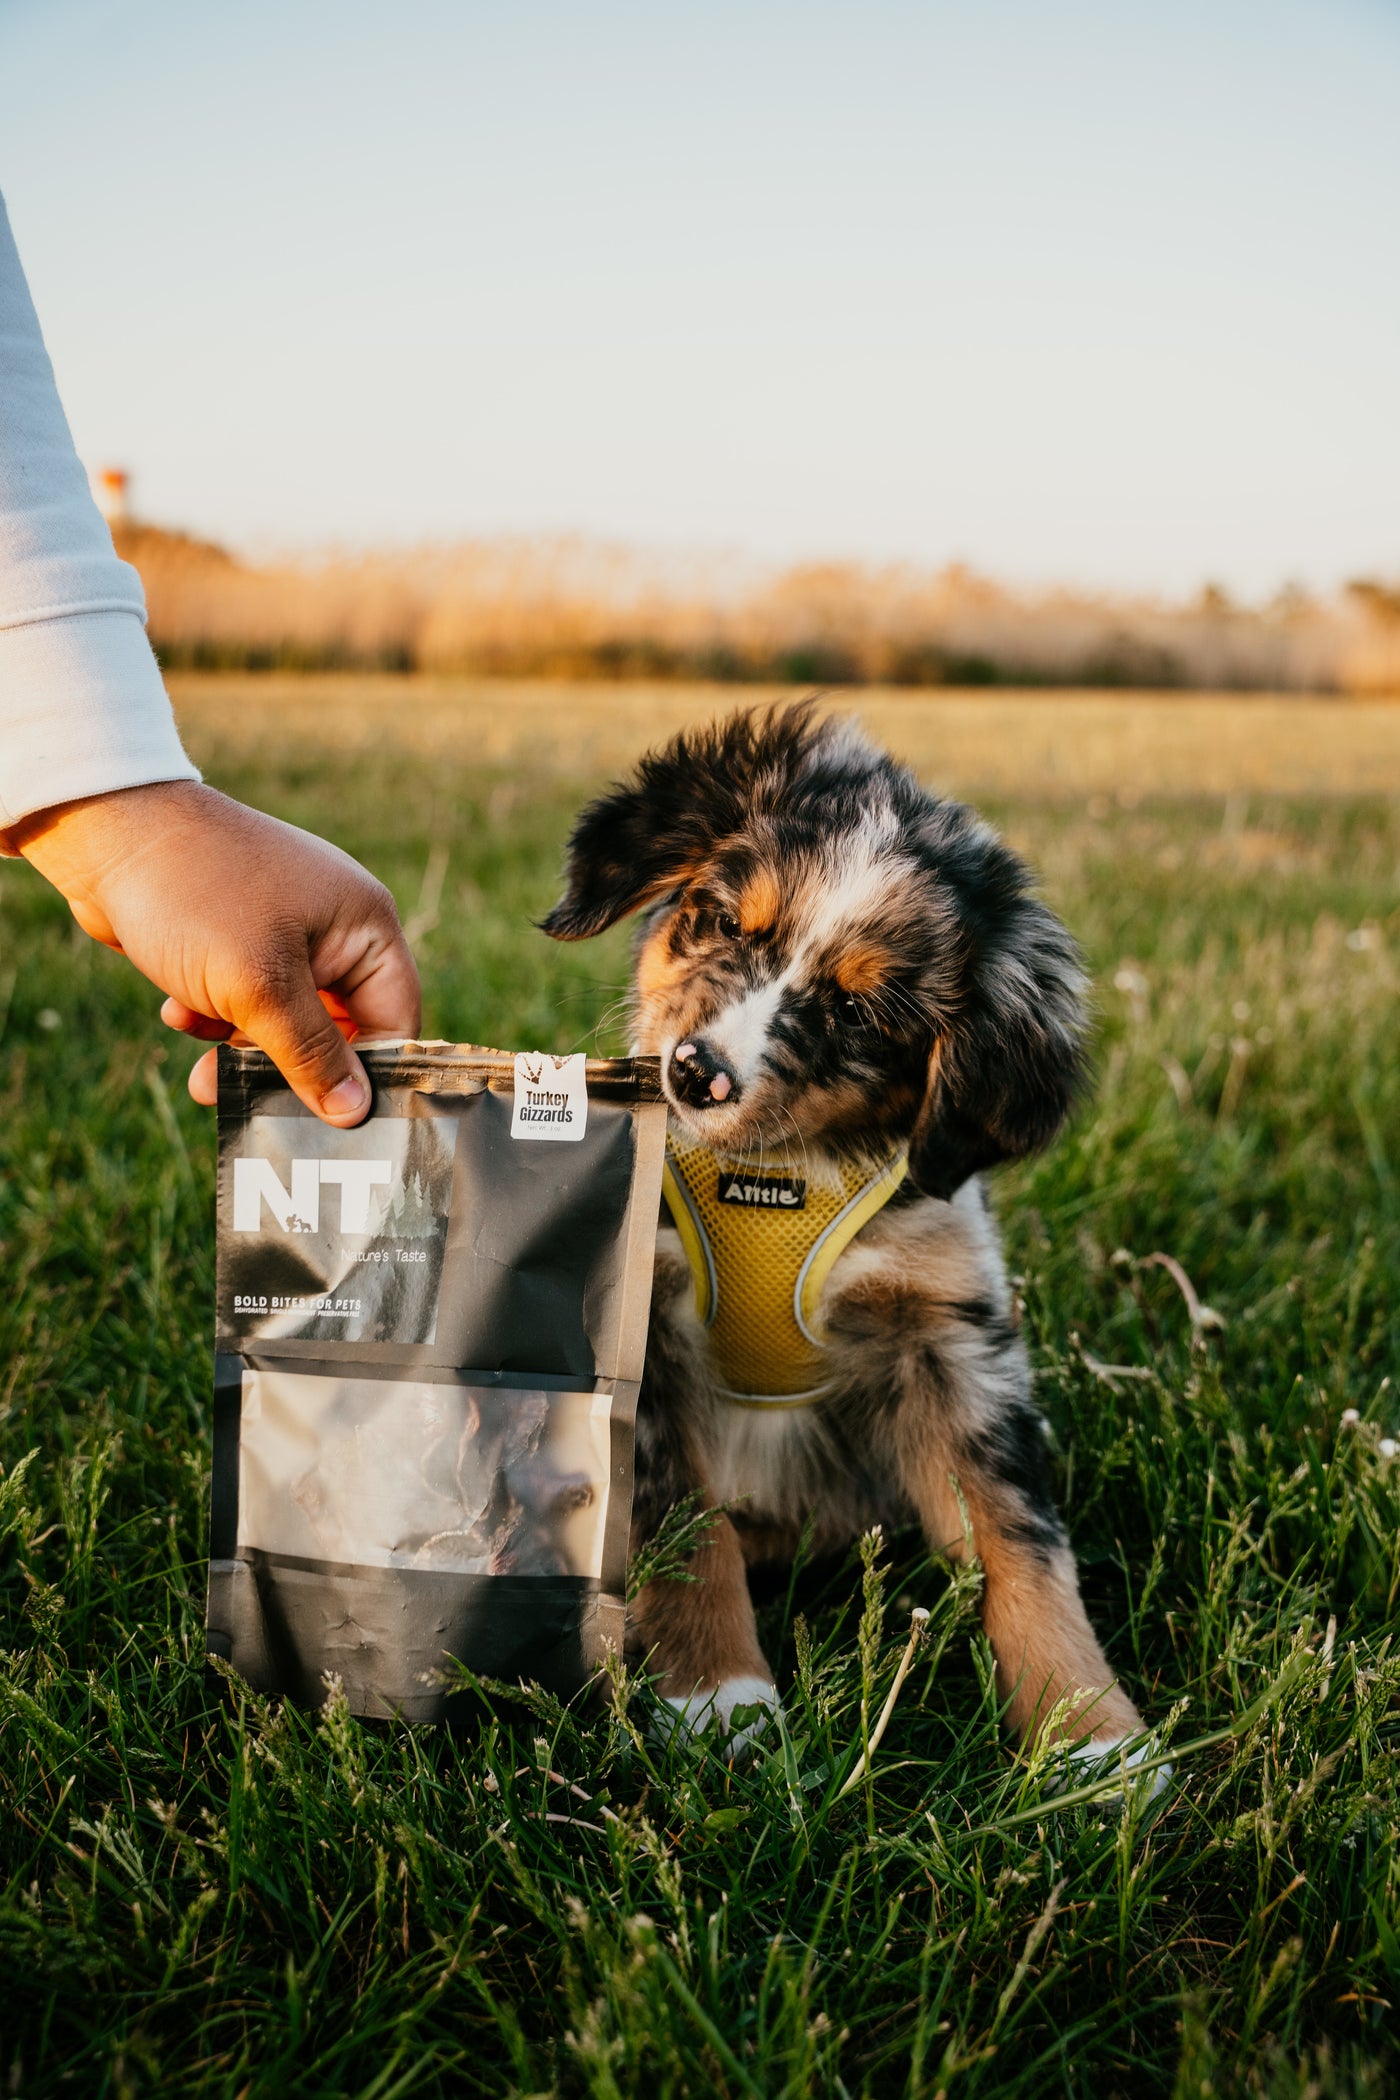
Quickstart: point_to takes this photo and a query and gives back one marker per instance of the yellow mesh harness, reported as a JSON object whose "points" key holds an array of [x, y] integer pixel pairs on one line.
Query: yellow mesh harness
{"points": [[761, 1243]]}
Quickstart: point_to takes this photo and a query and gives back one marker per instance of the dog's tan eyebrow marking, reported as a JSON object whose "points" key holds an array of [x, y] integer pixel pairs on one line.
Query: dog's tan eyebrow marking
{"points": [[760, 901], [863, 967]]}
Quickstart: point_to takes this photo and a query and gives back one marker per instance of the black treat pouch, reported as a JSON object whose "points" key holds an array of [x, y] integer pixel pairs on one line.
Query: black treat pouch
{"points": [[430, 1333]]}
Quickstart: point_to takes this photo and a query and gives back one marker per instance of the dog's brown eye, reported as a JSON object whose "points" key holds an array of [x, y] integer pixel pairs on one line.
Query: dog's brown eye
{"points": [[729, 926]]}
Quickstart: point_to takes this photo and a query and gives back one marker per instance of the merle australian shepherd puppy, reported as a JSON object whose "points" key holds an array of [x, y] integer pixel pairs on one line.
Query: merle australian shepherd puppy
{"points": [[859, 1007]]}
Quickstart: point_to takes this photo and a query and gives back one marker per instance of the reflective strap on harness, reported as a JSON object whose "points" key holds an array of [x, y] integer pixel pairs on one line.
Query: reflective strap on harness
{"points": [[866, 1203], [693, 1237]]}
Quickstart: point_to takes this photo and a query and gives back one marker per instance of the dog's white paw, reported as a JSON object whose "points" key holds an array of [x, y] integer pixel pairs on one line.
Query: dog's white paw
{"points": [[1108, 1756], [701, 1710]]}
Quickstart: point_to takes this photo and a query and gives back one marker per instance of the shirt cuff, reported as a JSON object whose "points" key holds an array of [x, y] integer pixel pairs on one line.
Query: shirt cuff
{"points": [[82, 711]]}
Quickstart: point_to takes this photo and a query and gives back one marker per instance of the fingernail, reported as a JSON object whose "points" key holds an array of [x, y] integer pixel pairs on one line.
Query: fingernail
{"points": [[347, 1099]]}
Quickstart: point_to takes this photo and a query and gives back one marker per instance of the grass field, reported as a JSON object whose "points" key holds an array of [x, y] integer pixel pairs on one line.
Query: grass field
{"points": [[205, 1894]]}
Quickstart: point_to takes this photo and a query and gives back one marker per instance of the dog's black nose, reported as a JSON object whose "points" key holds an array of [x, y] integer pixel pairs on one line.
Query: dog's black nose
{"points": [[700, 1078]]}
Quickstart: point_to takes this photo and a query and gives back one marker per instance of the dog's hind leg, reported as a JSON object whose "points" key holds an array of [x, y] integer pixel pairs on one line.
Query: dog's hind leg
{"points": [[952, 1422], [966, 1417]]}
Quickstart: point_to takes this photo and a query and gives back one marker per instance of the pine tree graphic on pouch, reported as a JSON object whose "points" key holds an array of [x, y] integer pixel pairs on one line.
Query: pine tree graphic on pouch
{"points": [[408, 1215]]}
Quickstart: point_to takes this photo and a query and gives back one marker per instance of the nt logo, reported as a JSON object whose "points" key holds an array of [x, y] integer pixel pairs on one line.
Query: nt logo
{"points": [[256, 1183]]}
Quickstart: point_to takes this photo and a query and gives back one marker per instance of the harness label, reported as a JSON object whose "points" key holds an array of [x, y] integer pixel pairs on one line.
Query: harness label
{"points": [[763, 1191]]}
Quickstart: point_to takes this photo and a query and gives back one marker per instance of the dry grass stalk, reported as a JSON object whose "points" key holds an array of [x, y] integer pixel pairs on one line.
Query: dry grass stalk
{"points": [[578, 608]]}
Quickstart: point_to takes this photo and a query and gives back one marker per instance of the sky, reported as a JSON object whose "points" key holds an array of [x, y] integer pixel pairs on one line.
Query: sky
{"points": [[1104, 293]]}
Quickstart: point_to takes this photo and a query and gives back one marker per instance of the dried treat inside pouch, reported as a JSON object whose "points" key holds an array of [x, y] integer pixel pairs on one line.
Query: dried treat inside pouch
{"points": [[383, 1527]]}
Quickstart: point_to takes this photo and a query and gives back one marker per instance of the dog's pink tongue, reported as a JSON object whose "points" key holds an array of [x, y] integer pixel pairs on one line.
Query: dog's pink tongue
{"points": [[719, 1086]]}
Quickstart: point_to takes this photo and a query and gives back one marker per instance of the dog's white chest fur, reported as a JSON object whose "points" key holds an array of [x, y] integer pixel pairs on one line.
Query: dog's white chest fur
{"points": [[763, 1459]]}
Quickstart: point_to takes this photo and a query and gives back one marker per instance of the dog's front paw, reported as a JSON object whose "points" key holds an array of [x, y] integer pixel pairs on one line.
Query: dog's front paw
{"points": [[1094, 1760], [733, 1697]]}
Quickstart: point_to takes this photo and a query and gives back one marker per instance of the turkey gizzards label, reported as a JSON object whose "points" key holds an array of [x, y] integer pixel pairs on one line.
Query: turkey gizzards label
{"points": [[429, 1343]]}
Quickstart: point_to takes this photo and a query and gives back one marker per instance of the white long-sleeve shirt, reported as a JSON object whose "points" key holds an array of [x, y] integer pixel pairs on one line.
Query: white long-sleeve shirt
{"points": [[82, 707]]}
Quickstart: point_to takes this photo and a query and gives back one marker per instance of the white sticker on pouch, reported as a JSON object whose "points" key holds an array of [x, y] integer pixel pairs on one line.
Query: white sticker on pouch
{"points": [[551, 1098]]}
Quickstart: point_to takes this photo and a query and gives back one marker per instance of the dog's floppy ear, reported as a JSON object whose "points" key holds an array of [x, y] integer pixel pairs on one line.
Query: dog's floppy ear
{"points": [[626, 850], [1010, 1065], [651, 834]]}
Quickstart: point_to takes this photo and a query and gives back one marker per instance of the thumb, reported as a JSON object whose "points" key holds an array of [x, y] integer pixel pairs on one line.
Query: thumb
{"points": [[290, 1023]]}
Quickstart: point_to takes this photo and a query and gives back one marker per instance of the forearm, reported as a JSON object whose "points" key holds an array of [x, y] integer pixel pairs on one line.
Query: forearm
{"points": [[243, 922], [82, 707], [83, 846]]}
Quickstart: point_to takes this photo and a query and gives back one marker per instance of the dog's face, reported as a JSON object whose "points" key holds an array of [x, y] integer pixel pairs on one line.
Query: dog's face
{"points": [[830, 956], [793, 986]]}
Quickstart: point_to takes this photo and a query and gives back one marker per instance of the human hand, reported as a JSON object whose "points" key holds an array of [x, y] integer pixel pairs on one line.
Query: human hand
{"points": [[243, 921]]}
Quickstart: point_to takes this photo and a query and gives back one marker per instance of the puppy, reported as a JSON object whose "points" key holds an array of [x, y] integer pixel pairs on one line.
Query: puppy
{"points": [[858, 1007]]}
